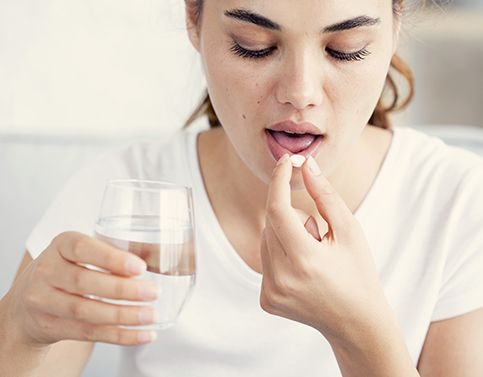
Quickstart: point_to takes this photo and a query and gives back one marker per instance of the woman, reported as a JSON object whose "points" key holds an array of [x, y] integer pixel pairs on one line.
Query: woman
{"points": [[363, 262]]}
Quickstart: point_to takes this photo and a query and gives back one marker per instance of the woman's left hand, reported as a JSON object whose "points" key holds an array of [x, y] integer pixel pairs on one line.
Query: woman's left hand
{"points": [[328, 282]]}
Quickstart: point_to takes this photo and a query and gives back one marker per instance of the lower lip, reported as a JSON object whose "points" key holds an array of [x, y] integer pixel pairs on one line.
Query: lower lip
{"points": [[278, 151]]}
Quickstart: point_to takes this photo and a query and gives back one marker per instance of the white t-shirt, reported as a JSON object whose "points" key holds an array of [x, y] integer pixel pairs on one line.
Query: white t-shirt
{"points": [[423, 218]]}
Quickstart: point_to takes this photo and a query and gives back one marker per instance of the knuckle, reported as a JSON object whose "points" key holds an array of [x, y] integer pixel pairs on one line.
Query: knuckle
{"points": [[32, 300], [62, 238], [89, 332], [41, 270], [59, 238], [121, 316], [119, 290], [305, 268], [80, 243], [274, 209], [44, 322], [280, 285], [326, 190], [111, 259], [123, 337], [79, 281], [265, 303], [76, 310]]}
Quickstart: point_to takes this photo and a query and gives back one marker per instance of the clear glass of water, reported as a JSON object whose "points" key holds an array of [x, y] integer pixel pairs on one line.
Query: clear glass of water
{"points": [[155, 221]]}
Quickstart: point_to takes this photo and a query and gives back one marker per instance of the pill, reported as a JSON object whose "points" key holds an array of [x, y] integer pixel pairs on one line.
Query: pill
{"points": [[297, 160]]}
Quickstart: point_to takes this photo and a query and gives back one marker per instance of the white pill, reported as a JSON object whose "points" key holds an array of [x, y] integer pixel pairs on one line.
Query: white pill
{"points": [[297, 160]]}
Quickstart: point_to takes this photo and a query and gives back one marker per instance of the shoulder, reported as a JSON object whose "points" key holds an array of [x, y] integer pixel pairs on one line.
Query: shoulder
{"points": [[463, 143], [426, 153], [156, 160], [76, 205], [431, 181], [145, 159]]}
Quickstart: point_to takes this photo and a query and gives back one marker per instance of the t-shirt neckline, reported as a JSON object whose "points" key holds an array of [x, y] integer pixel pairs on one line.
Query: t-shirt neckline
{"points": [[228, 255]]}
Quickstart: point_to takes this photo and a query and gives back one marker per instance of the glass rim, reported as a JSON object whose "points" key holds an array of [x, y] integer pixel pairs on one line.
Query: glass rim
{"points": [[124, 183]]}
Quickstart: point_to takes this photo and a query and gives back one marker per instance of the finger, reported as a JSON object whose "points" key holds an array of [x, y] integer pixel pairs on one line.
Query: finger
{"points": [[61, 329], [79, 248], [267, 274], [81, 281], [274, 246], [65, 305], [280, 213], [265, 256], [329, 203]]}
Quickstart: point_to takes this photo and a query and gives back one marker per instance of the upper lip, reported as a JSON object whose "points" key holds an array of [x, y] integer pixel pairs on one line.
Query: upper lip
{"points": [[297, 128]]}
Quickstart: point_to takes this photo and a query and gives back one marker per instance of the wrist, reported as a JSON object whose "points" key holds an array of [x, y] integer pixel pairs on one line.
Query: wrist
{"points": [[377, 351], [18, 356]]}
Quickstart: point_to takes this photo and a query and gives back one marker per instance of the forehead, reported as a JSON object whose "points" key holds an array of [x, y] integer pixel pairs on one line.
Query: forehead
{"points": [[308, 16]]}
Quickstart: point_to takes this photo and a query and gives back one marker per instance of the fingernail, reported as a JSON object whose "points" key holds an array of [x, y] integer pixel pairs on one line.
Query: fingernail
{"points": [[283, 159], [313, 166], [135, 266], [148, 292], [144, 337], [148, 315]]}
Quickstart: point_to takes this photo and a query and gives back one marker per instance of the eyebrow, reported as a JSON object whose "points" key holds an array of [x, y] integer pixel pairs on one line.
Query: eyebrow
{"points": [[259, 20]]}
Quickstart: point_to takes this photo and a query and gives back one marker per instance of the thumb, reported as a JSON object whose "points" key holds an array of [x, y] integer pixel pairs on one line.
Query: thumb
{"points": [[329, 204]]}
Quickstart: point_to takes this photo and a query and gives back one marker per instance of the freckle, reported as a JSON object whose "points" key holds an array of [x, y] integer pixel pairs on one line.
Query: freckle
{"points": [[258, 102], [244, 116]]}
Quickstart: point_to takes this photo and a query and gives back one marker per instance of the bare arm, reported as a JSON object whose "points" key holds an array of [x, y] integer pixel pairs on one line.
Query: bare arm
{"points": [[63, 359], [376, 352], [453, 347], [47, 317]]}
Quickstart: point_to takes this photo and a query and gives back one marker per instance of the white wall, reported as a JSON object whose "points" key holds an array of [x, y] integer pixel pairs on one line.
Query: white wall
{"points": [[96, 66], [444, 48], [126, 67]]}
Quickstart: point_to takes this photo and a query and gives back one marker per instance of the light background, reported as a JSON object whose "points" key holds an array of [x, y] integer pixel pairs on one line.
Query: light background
{"points": [[95, 67], [78, 77], [104, 67]]}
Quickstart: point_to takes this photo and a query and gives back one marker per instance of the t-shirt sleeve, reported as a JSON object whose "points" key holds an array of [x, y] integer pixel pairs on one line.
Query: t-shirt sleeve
{"points": [[461, 290], [76, 206]]}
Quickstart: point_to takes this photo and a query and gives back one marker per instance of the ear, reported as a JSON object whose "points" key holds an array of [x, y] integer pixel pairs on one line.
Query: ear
{"points": [[192, 24]]}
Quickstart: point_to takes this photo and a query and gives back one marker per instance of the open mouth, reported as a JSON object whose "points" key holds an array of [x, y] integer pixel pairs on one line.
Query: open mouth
{"points": [[280, 142]]}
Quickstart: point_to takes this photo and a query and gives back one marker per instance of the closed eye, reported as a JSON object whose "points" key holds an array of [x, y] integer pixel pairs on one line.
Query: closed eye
{"points": [[263, 53]]}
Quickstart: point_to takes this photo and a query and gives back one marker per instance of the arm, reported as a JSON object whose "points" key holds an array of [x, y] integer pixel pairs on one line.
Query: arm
{"points": [[48, 305], [453, 347], [329, 281], [65, 358], [381, 352]]}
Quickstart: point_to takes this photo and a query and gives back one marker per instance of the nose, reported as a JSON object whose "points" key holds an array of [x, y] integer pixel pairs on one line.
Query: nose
{"points": [[300, 83]]}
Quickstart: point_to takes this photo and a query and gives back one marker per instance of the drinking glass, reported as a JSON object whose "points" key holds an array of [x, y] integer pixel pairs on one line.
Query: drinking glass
{"points": [[155, 221]]}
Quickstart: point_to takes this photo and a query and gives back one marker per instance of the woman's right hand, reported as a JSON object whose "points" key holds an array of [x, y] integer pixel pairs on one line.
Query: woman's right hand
{"points": [[46, 304]]}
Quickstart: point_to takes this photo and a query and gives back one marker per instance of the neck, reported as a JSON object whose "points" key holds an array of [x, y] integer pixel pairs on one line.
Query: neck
{"points": [[241, 194]]}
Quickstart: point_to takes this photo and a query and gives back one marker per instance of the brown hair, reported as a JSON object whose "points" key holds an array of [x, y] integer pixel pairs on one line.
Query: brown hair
{"points": [[381, 115]]}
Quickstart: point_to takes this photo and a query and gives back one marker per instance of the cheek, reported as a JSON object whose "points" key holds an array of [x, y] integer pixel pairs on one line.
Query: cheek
{"points": [[236, 90], [356, 88]]}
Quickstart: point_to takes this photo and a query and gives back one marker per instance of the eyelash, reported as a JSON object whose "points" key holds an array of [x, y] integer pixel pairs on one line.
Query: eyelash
{"points": [[260, 54]]}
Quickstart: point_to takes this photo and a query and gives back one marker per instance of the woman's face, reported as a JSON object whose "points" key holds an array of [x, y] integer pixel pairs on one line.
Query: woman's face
{"points": [[271, 61]]}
